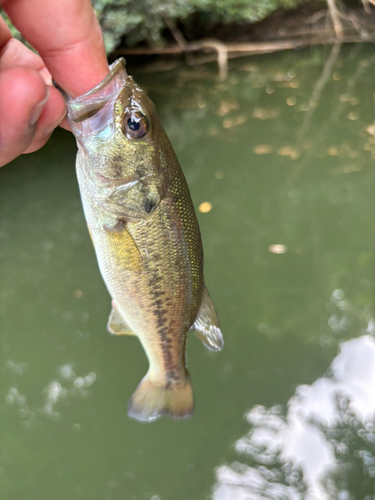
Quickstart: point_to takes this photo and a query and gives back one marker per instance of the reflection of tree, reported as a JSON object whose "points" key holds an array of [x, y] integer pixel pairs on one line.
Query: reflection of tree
{"points": [[322, 448], [353, 442], [262, 471], [319, 87], [67, 386]]}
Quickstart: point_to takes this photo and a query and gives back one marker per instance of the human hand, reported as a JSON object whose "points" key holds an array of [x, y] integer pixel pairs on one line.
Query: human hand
{"points": [[67, 36]]}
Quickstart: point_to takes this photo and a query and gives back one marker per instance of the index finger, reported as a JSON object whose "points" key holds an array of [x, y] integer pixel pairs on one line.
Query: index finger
{"points": [[67, 36]]}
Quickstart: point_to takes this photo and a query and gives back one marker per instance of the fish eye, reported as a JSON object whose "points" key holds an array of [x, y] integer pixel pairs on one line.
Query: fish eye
{"points": [[135, 124]]}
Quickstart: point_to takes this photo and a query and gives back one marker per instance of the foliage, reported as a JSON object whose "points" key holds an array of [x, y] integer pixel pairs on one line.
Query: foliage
{"points": [[242, 10], [146, 19], [132, 22]]}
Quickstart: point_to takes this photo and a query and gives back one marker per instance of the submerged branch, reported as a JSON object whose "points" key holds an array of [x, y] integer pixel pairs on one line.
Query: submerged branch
{"points": [[225, 51], [251, 47], [319, 87], [333, 11], [221, 50], [176, 33]]}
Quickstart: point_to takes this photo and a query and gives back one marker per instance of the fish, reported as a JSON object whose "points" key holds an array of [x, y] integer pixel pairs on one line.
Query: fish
{"points": [[146, 237]]}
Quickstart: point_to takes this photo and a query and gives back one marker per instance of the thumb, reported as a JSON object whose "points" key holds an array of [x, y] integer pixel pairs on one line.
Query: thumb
{"points": [[23, 97]]}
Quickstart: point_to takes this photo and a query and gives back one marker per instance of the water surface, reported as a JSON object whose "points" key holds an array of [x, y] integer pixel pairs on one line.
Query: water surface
{"points": [[283, 151]]}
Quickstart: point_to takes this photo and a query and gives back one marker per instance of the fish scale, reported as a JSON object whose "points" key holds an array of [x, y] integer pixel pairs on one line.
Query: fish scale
{"points": [[146, 236]]}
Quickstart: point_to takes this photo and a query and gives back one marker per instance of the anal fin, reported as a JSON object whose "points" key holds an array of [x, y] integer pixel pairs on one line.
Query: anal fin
{"points": [[206, 326], [116, 323]]}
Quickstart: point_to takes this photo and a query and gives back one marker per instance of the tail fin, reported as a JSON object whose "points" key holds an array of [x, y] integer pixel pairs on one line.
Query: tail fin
{"points": [[150, 401]]}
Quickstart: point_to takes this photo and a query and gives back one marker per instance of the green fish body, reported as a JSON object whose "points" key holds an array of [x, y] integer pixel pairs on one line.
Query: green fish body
{"points": [[146, 237]]}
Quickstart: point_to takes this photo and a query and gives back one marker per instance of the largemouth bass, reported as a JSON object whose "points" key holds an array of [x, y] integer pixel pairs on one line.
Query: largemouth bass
{"points": [[146, 237]]}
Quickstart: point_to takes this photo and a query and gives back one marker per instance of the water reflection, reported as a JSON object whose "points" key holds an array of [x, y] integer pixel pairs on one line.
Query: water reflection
{"points": [[288, 231], [321, 446], [66, 386]]}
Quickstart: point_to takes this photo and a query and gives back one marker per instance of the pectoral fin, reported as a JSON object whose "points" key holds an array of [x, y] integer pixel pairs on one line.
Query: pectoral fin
{"points": [[116, 324], [206, 326], [123, 248]]}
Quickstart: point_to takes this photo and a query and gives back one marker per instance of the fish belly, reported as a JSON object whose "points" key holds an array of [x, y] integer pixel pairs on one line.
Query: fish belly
{"points": [[149, 273]]}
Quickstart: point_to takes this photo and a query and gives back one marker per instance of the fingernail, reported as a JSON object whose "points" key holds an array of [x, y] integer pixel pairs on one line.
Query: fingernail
{"points": [[55, 124], [37, 110]]}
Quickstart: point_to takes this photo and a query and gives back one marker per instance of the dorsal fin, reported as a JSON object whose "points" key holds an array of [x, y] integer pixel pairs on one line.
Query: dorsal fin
{"points": [[206, 326], [116, 323]]}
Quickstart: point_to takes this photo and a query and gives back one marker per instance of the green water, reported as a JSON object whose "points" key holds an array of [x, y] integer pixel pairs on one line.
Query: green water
{"points": [[284, 151]]}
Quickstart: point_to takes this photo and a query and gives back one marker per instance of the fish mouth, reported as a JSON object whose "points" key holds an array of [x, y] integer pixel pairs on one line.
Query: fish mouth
{"points": [[84, 106]]}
